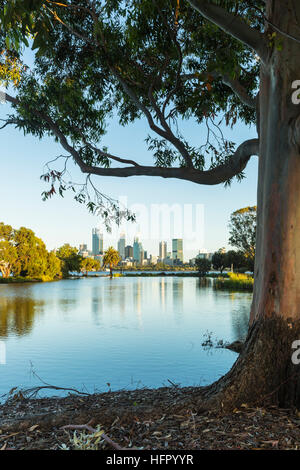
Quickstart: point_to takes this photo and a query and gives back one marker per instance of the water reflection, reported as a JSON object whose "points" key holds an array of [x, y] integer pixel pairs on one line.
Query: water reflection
{"points": [[162, 292], [99, 330], [177, 288], [97, 305], [137, 301], [17, 315]]}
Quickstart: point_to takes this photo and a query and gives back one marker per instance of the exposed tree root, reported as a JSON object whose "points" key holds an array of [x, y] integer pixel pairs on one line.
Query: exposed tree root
{"points": [[264, 373]]}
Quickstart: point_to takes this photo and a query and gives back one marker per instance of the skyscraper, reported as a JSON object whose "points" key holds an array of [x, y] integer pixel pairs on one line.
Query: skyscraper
{"points": [[128, 251], [177, 249], [97, 242], [141, 254], [136, 249], [121, 246], [162, 250]]}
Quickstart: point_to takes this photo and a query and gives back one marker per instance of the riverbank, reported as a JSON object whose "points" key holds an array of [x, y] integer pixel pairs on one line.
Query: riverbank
{"points": [[165, 418], [162, 273], [21, 280], [235, 282]]}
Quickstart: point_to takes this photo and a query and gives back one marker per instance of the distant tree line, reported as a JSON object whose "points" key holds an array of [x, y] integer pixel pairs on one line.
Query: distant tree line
{"points": [[242, 231], [24, 255], [72, 262]]}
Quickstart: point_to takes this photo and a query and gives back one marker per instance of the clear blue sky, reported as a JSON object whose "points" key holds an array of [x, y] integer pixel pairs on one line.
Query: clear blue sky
{"points": [[61, 220]]}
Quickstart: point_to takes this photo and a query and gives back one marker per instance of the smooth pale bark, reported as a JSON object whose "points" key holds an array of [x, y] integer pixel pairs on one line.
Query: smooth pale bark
{"points": [[277, 271], [264, 372]]}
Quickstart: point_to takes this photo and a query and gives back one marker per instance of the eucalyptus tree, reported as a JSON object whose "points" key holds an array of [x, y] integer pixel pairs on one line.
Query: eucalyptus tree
{"points": [[166, 60], [203, 265], [242, 231], [219, 260], [23, 254], [89, 264], [8, 252], [70, 259]]}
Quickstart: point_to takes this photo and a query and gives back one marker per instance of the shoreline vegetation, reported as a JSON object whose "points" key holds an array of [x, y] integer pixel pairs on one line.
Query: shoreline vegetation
{"points": [[227, 280], [235, 281]]}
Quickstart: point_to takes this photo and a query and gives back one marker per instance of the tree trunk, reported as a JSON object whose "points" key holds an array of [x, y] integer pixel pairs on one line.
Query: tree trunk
{"points": [[5, 270], [111, 271], [265, 371]]}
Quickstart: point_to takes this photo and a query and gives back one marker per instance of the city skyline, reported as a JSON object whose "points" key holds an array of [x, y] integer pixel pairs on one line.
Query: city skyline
{"points": [[136, 251]]}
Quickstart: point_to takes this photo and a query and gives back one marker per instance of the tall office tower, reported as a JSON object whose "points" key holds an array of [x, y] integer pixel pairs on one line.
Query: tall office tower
{"points": [[141, 254], [162, 250], [136, 249], [121, 246], [128, 251], [177, 249], [97, 242]]}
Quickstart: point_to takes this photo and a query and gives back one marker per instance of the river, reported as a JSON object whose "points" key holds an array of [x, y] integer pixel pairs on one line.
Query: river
{"points": [[98, 334]]}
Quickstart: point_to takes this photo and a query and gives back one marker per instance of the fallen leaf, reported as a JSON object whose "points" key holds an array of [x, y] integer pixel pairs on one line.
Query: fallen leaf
{"points": [[33, 427]]}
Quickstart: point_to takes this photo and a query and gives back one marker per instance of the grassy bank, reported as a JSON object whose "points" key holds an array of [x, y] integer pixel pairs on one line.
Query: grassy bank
{"points": [[235, 281], [22, 280]]}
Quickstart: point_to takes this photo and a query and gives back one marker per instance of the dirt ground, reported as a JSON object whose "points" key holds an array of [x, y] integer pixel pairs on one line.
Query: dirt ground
{"points": [[166, 418]]}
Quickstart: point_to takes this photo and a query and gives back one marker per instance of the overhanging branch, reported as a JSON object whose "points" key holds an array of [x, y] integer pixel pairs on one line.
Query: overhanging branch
{"points": [[224, 172], [232, 25], [235, 165], [239, 90], [235, 85]]}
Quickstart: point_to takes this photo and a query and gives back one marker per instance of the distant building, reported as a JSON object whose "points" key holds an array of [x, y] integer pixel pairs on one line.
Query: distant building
{"points": [[141, 254], [177, 250], [136, 250], [127, 263], [99, 258], [168, 261], [153, 259], [83, 251], [205, 255], [97, 242], [128, 251], [121, 246], [162, 250]]}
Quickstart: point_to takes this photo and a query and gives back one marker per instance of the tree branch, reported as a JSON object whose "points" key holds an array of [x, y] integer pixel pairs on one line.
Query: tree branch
{"points": [[235, 85], [232, 25], [217, 175], [235, 165], [239, 90], [164, 132]]}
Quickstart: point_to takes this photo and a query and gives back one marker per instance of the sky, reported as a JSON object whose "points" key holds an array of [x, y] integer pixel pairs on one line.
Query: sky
{"points": [[201, 213]]}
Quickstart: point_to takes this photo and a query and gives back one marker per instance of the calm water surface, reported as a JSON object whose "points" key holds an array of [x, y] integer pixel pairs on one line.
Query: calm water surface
{"points": [[126, 332]]}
